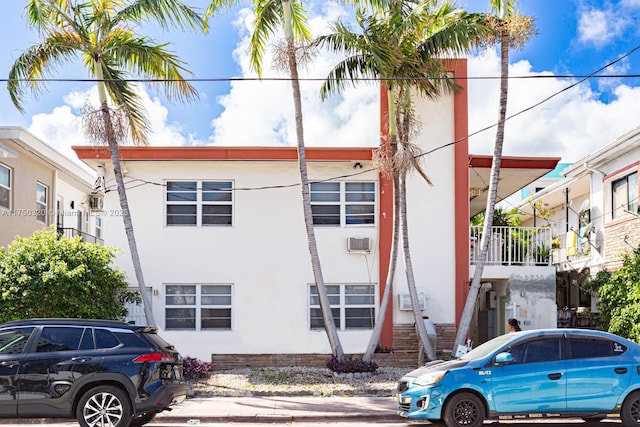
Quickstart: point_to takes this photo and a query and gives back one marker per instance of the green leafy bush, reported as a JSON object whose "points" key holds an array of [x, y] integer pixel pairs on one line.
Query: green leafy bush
{"points": [[619, 293], [46, 275]]}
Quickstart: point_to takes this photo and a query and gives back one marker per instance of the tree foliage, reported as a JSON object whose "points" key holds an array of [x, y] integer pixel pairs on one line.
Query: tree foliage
{"points": [[619, 292], [45, 275]]}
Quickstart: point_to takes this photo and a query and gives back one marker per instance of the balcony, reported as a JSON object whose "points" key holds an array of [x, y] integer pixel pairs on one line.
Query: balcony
{"points": [[72, 232], [513, 246]]}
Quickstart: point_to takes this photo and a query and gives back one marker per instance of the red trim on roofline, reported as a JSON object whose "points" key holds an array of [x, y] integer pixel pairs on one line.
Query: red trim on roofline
{"points": [[510, 162], [224, 153]]}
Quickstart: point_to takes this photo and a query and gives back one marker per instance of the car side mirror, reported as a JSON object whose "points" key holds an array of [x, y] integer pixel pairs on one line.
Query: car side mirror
{"points": [[503, 358]]}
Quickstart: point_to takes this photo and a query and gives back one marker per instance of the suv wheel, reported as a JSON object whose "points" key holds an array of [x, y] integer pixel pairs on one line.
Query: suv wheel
{"points": [[105, 406]]}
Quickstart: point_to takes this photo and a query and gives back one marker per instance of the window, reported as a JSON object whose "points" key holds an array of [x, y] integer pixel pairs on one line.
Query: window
{"points": [[581, 348], [98, 226], [60, 338], [541, 350], [343, 203], [42, 194], [352, 306], [13, 341], [105, 339], [198, 307], [5, 187], [624, 195], [199, 203]]}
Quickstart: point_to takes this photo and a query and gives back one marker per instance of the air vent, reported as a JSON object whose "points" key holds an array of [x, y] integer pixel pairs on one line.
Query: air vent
{"points": [[96, 202], [359, 244], [404, 301]]}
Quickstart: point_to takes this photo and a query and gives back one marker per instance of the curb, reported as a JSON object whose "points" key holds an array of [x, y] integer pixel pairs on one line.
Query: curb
{"points": [[276, 419], [299, 393]]}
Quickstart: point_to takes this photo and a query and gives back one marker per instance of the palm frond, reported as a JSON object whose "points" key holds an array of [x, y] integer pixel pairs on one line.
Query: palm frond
{"points": [[36, 63], [167, 13]]}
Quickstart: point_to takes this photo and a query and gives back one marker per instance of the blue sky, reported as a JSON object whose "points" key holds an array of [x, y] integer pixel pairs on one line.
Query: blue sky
{"points": [[576, 37]]}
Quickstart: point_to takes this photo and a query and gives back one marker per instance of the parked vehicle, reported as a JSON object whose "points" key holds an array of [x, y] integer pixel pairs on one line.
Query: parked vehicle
{"points": [[101, 372], [535, 374]]}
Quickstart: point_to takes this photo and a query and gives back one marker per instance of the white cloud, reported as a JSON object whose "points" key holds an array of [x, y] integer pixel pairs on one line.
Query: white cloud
{"points": [[62, 127], [569, 125], [598, 27], [260, 113]]}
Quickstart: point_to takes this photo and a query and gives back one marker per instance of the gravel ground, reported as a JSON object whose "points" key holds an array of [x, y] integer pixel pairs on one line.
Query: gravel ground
{"points": [[296, 381]]}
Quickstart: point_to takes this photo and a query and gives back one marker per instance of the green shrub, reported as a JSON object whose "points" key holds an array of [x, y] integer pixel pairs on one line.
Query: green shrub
{"points": [[195, 369], [350, 365]]}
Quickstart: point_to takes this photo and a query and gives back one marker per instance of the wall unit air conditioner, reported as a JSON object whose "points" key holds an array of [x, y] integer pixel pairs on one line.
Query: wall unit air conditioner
{"points": [[404, 301], [96, 202], [358, 244]]}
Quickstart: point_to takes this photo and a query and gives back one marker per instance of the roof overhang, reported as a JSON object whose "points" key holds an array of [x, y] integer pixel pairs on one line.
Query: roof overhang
{"points": [[515, 174]]}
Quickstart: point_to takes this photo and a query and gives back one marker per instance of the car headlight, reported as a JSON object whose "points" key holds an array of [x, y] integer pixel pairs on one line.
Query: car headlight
{"points": [[430, 378]]}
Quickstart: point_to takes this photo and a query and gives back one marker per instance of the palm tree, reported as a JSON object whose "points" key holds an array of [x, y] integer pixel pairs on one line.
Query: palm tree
{"points": [[514, 31], [289, 16], [102, 33], [403, 46]]}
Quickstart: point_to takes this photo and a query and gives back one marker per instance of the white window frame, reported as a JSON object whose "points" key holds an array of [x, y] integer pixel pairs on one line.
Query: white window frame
{"points": [[339, 301], [7, 187], [344, 204], [197, 302], [224, 187], [98, 226], [630, 206], [42, 205]]}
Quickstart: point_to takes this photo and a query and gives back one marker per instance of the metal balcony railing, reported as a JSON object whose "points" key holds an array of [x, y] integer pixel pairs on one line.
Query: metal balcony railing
{"points": [[513, 246], [86, 237]]}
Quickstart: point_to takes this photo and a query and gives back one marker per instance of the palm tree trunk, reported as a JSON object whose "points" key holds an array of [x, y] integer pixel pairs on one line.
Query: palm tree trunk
{"points": [[122, 194], [393, 261], [421, 330], [325, 305], [472, 297], [126, 214]]}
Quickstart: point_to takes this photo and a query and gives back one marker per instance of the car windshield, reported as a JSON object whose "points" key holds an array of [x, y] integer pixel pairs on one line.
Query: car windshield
{"points": [[488, 347]]}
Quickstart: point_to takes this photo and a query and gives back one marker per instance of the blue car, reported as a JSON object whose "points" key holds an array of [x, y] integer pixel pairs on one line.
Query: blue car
{"points": [[551, 373]]}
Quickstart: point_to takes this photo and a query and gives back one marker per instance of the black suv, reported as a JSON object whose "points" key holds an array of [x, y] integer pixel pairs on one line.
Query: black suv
{"points": [[101, 372]]}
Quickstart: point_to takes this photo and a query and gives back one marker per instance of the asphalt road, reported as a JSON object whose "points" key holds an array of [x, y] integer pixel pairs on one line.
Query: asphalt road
{"points": [[540, 423]]}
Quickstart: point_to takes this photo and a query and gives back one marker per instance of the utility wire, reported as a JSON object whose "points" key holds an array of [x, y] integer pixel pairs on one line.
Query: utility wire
{"points": [[548, 98], [312, 79]]}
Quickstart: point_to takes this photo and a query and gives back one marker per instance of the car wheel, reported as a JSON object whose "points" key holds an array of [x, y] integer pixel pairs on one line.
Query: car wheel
{"points": [[104, 406], [630, 412], [464, 409], [142, 420]]}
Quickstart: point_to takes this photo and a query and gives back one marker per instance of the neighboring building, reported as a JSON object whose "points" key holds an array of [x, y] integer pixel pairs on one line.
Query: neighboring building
{"points": [[223, 247], [593, 215], [39, 187]]}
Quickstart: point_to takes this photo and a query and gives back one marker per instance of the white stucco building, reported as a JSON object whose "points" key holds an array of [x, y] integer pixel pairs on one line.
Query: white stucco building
{"points": [[223, 246], [40, 187]]}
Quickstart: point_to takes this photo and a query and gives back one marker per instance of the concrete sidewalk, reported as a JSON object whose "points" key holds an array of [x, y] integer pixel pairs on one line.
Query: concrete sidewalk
{"points": [[276, 409]]}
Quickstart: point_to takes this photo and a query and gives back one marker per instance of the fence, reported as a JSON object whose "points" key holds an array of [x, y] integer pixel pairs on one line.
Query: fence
{"points": [[513, 246]]}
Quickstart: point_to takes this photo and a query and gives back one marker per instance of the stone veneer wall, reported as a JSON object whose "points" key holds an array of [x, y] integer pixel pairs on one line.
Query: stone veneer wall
{"points": [[403, 354], [615, 245]]}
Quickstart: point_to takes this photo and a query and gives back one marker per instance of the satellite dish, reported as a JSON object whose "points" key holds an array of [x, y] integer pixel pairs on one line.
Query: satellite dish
{"points": [[585, 205], [588, 229]]}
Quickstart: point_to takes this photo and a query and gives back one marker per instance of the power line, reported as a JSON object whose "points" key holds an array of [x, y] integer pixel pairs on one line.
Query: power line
{"points": [[449, 143], [313, 79], [548, 98]]}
